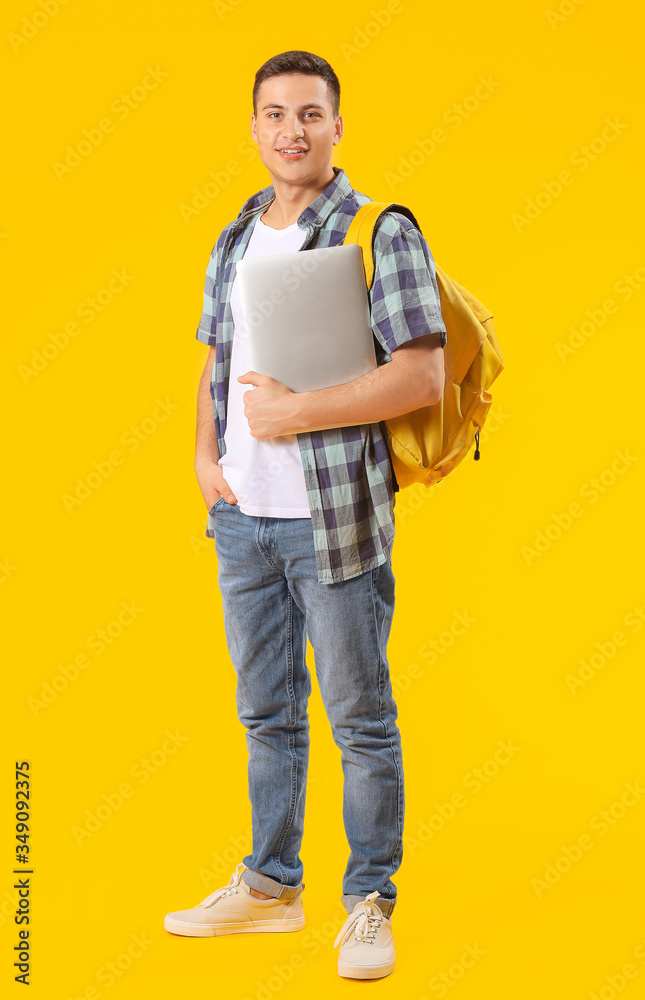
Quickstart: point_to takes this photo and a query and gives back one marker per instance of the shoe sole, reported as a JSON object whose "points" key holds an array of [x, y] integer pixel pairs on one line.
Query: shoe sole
{"points": [[243, 927], [365, 971]]}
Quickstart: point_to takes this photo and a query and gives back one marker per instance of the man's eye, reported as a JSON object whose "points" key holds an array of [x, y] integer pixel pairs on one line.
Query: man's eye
{"points": [[314, 114]]}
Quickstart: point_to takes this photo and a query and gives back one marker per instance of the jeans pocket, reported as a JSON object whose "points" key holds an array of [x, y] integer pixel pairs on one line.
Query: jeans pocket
{"points": [[218, 503]]}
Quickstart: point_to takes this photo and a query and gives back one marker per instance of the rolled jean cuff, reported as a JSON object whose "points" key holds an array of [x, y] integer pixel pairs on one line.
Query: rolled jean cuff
{"points": [[269, 886], [386, 906]]}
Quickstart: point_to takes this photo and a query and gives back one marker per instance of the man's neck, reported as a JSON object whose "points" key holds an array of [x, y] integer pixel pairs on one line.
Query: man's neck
{"points": [[291, 200]]}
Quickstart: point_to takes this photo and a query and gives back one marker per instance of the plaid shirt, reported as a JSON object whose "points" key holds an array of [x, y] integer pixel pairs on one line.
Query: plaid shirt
{"points": [[348, 471]]}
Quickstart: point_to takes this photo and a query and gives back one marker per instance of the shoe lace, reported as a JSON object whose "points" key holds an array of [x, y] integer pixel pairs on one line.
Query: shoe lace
{"points": [[365, 921], [227, 890]]}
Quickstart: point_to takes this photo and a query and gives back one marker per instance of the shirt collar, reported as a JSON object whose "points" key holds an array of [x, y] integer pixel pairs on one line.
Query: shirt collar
{"points": [[315, 214]]}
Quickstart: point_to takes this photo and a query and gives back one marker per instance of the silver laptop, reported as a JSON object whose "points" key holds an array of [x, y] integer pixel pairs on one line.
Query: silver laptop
{"points": [[307, 316]]}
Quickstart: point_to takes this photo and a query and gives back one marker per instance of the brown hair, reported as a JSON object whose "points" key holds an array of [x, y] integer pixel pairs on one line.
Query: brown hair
{"points": [[297, 61]]}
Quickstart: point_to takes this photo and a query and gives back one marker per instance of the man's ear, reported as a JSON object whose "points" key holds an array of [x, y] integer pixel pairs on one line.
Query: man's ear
{"points": [[254, 134]]}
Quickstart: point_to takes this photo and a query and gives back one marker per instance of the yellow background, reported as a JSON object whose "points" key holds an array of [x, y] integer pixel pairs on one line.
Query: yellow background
{"points": [[466, 880]]}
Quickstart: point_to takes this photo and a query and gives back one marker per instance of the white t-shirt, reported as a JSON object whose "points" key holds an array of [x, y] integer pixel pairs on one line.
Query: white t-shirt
{"points": [[266, 475]]}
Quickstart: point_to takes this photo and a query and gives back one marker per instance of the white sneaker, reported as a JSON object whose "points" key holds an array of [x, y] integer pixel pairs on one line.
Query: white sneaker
{"points": [[233, 910], [366, 942]]}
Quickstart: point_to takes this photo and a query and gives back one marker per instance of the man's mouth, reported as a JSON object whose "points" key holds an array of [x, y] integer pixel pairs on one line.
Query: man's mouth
{"points": [[292, 152]]}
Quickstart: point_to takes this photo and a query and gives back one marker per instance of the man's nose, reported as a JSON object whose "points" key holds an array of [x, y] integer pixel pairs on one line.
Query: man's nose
{"points": [[293, 129]]}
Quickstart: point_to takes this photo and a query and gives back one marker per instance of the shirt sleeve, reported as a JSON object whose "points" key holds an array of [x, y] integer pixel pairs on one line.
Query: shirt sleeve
{"points": [[405, 300], [208, 321]]}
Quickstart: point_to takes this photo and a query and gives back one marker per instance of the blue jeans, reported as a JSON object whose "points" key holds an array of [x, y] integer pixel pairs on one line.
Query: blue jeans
{"points": [[272, 601]]}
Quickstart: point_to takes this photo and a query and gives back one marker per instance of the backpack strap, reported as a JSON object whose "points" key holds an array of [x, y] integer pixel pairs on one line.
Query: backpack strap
{"points": [[362, 230]]}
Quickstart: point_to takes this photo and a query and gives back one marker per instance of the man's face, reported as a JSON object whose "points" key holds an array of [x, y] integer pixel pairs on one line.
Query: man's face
{"points": [[294, 112]]}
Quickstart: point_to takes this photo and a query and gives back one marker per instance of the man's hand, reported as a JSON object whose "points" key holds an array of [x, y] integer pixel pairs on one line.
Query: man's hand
{"points": [[212, 483], [267, 407], [414, 377]]}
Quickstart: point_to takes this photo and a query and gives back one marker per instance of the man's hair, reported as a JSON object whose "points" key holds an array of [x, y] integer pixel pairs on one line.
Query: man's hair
{"points": [[297, 61]]}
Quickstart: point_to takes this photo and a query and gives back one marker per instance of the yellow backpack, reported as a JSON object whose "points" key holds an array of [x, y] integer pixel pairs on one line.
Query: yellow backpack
{"points": [[427, 444]]}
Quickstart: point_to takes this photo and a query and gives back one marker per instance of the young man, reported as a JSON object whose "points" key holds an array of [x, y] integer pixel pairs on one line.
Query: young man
{"points": [[301, 506]]}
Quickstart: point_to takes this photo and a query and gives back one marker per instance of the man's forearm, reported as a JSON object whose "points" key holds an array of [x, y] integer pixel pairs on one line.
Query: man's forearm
{"points": [[388, 391], [206, 437]]}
